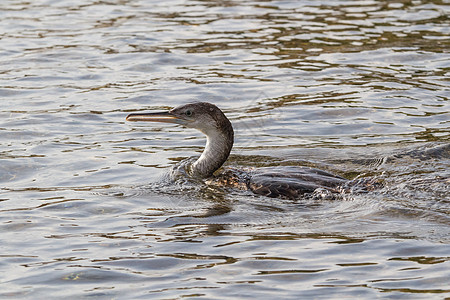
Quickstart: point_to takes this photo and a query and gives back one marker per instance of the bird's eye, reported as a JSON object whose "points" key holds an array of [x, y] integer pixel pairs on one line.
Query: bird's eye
{"points": [[188, 113]]}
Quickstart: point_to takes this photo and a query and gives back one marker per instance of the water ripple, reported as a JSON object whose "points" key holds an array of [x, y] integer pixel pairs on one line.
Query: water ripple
{"points": [[358, 88]]}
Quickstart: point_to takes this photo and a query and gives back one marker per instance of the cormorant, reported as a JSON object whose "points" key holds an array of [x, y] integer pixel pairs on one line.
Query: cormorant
{"points": [[285, 181]]}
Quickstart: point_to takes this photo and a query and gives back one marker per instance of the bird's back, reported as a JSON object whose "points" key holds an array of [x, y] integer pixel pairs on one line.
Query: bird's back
{"points": [[292, 182]]}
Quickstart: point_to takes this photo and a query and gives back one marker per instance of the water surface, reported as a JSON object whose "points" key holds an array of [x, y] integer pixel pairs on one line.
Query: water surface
{"points": [[358, 88]]}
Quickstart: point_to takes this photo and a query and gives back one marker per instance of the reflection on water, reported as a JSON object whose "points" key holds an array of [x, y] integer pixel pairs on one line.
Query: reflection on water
{"points": [[358, 88]]}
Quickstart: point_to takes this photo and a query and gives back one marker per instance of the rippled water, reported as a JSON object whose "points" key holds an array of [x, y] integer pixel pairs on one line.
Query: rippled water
{"points": [[358, 88]]}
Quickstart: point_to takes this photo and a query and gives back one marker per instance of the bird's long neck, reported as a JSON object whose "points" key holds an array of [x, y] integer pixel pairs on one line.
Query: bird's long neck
{"points": [[218, 146]]}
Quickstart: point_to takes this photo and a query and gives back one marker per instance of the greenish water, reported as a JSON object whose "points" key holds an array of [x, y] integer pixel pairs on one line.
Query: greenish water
{"points": [[358, 88]]}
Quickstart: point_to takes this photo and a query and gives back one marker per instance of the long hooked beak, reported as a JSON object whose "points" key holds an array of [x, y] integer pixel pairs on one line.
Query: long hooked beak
{"points": [[165, 117]]}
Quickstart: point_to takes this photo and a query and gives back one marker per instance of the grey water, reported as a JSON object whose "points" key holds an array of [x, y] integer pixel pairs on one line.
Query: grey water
{"points": [[357, 88]]}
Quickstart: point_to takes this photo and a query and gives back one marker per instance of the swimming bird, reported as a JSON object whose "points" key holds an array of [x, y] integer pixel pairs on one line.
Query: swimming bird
{"points": [[285, 181]]}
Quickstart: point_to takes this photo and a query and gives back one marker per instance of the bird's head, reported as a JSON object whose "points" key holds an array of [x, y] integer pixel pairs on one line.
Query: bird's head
{"points": [[202, 116]]}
